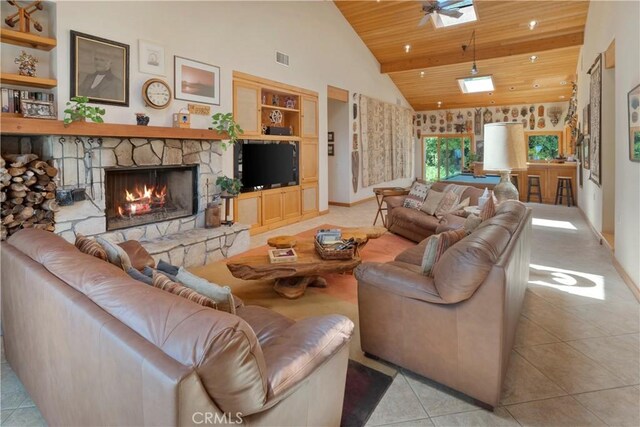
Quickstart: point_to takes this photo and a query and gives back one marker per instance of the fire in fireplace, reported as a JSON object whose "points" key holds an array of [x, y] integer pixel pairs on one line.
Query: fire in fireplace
{"points": [[143, 195]]}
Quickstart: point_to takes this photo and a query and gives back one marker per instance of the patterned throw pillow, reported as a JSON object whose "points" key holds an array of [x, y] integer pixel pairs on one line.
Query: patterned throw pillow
{"points": [[447, 204], [432, 202], [161, 281], [115, 254], [89, 246], [436, 246], [417, 195], [471, 223], [489, 208], [220, 294]]}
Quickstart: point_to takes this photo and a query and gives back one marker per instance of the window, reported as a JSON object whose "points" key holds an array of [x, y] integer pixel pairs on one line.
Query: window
{"points": [[543, 147], [445, 156], [464, 6]]}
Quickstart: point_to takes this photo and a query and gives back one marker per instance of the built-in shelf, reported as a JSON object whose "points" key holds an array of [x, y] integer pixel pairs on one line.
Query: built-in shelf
{"points": [[26, 39], [275, 107], [20, 126], [273, 138], [18, 80]]}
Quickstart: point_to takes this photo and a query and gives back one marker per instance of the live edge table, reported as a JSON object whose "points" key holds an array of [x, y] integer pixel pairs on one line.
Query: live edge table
{"points": [[293, 278]]}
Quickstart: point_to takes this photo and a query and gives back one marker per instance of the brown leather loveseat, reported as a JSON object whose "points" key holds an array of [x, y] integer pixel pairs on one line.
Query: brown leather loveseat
{"points": [[95, 347], [417, 225], [457, 327]]}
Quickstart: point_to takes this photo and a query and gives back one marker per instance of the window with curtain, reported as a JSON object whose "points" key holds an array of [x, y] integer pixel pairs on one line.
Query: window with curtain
{"points": [[445, 156]]}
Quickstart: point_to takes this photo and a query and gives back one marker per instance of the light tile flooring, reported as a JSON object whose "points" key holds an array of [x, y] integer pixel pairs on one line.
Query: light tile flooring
{"points": [[576, 360]]}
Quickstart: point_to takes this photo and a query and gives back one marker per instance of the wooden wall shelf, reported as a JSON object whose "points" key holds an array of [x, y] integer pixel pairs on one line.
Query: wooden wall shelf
{"points": [[18, 80], [26, 39], [21, 126]]}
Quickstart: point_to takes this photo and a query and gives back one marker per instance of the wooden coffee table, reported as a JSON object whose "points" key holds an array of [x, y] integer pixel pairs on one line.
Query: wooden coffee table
{"points": [[292, 279]]}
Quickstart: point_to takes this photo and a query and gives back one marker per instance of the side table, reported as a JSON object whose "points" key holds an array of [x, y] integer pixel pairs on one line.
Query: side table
{"points": [[381, 193]]}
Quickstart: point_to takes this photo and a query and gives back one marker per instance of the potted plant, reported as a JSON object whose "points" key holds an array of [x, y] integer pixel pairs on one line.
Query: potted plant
{"points": [[223, 122], [78, 110], [470, 159], [231, 186]]}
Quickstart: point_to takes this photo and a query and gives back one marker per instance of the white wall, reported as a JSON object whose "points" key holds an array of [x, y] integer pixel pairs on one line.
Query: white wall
{"points": [[241, 36], [608, 21], [340, 163]]}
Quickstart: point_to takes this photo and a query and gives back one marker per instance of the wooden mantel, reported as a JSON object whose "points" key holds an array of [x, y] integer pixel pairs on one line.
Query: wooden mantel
{"points": [[21, 126]]}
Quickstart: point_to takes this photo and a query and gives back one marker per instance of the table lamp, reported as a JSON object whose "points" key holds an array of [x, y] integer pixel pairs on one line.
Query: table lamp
{"points": [[505, 151]]}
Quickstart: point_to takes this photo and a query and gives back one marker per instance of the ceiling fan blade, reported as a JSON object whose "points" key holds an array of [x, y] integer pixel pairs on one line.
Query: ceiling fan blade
{"points": [[451, 13], [424, 20]]}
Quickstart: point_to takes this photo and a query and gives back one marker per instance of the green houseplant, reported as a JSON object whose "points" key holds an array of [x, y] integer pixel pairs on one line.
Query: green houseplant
{"points": [[223, 122], [78, 110], [231, 185]]}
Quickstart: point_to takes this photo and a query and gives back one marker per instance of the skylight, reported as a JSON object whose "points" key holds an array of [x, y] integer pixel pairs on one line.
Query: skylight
{"points": [[476, 84], [468, 15]]}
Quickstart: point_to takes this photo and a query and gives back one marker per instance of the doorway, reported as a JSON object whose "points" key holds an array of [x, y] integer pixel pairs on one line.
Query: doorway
{"points": [[338, 155], [444, 156]]}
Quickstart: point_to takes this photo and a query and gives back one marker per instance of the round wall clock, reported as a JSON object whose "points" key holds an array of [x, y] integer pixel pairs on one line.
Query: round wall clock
{"points": [[156, 93]]}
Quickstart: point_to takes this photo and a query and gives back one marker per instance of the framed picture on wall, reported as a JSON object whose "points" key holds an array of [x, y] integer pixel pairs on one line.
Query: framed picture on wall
{"points": [[196, 81], [331, 149], [585, 152], [150, 58], [634, 123], [330, 137], [99, 69], [585, 119]]}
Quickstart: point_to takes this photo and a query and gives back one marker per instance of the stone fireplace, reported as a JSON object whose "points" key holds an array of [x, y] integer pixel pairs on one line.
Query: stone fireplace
{"points": [[144, 195], [172, 224]]}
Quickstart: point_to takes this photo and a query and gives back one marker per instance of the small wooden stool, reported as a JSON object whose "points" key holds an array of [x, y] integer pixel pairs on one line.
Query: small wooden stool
{"points": [[381, 193], [282, 242], [564, 189], [533, 182]]}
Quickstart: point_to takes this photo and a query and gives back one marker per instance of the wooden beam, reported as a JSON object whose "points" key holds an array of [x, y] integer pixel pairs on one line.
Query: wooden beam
{"points": [[610, 56], [338, 94], [485, 52]]}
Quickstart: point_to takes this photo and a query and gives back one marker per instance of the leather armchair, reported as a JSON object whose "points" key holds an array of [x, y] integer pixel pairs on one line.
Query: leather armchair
{"points": [[458, 326]]}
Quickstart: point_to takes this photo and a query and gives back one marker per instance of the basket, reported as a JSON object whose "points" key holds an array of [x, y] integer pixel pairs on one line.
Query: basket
{"points": [[334, 254]]}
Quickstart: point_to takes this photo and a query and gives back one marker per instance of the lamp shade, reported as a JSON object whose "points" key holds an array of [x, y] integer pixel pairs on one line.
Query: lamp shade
{"points": [[504, 147]]}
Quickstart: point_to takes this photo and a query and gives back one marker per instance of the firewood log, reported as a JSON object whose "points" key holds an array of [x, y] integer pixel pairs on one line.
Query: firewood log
{"points": [[17, 208], [49, 215], [18, 179], [7, 219], [37, 171], [3, 163], [43, 179], [38, 164], [17, 171], [49, 195], [5, 178], [3, 196], [18, 186], [26, 213], [51, 171], [17, 201], [34, 197], [50, 205], [29, 180], [23, 158], [3, 233], [17, 194]]}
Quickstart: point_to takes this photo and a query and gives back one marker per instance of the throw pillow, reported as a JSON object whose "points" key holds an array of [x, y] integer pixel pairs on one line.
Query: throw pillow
{"points": [[447, 204], [89, 246], [149, 272], [165, 267], [432, 202], [115, 254], [463, 204], [489, 208], [138, 255], [436, 246], [417, 195], [137, 275], [163, 282], [471, 223], [220, 294]]}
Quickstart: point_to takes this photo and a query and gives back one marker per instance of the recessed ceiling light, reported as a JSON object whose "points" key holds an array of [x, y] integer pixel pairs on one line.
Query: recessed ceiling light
{"points": [[439, 104], [493, 102], [490, 93], [562, 83], [407, 48], [476, 84], [533, 24], [512, 88], [421, 73], [536, 85], [533, 58], [561, 96]]}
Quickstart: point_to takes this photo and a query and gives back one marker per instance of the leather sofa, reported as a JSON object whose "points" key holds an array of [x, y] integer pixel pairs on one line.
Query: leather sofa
{"points": [[95, 347], [457, 327], [416, 225]]}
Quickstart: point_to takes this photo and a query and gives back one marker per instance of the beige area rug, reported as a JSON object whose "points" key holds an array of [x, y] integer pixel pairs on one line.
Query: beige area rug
{"points": [[339, 297]]}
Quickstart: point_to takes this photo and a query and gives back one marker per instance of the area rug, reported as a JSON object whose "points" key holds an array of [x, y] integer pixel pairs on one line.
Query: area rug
{"points": [[339, 297], [364, 389]]}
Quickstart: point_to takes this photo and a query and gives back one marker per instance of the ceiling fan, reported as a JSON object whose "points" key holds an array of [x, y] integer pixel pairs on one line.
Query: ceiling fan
{"points": [[449, 8]]}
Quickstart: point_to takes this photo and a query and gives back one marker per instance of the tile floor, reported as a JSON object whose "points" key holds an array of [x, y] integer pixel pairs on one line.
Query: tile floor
{"points": [[576, 360]]}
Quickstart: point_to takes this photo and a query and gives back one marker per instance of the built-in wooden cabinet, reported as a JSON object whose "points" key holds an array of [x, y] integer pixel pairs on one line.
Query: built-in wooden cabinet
{"points": [[548, 173], [256, 103]]}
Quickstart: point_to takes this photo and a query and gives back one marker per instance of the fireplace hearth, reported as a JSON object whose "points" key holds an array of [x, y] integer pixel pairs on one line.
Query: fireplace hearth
{"points": [[144, 195]]}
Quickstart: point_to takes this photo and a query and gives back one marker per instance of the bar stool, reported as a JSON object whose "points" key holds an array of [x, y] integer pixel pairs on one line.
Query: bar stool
{"points": [[533, 182], [514, 181], [564, 189]]}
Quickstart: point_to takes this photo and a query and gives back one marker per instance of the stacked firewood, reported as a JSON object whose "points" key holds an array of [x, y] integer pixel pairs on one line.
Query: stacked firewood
{"points": [[27, 193]]}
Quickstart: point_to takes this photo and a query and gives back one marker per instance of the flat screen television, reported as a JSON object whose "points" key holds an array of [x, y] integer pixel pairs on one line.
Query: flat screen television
{"points": [[267, 165]]}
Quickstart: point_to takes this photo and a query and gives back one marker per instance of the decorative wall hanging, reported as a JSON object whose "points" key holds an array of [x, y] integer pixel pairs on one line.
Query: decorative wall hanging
{"points": [[477, 122], [487, 116], [26, 64], [355, 141], [99, 69], [633, 110], [585, 120], [541, 111], [595, 115], [554, 114], [523, 111], [532, 109], [196, 81], [532, 121], [355, 170], [514, 112], [505, 110], [433, 128], [586, 152], [151, 58], [432, 119], [449, 116], [541, 123]]}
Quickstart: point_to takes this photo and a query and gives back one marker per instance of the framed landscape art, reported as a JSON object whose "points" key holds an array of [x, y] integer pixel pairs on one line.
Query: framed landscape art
{"points": [[595, 117], [196, 81], [634, 123]]}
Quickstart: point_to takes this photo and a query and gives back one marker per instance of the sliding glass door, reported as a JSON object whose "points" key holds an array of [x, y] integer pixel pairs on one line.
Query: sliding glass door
{"points": [[445, 156]]}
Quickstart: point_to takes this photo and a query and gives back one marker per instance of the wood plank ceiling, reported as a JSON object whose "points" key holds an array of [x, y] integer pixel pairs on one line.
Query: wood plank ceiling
{"points": [[504, 45]]}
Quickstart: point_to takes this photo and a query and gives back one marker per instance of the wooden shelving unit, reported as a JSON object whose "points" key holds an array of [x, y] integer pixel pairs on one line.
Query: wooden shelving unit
{"points": [[18, 80], [12, 125], [275, 107], [26, 39]]}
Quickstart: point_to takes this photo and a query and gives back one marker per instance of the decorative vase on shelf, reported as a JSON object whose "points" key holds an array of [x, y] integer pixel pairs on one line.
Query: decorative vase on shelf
{"points": [[142, 119]]}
